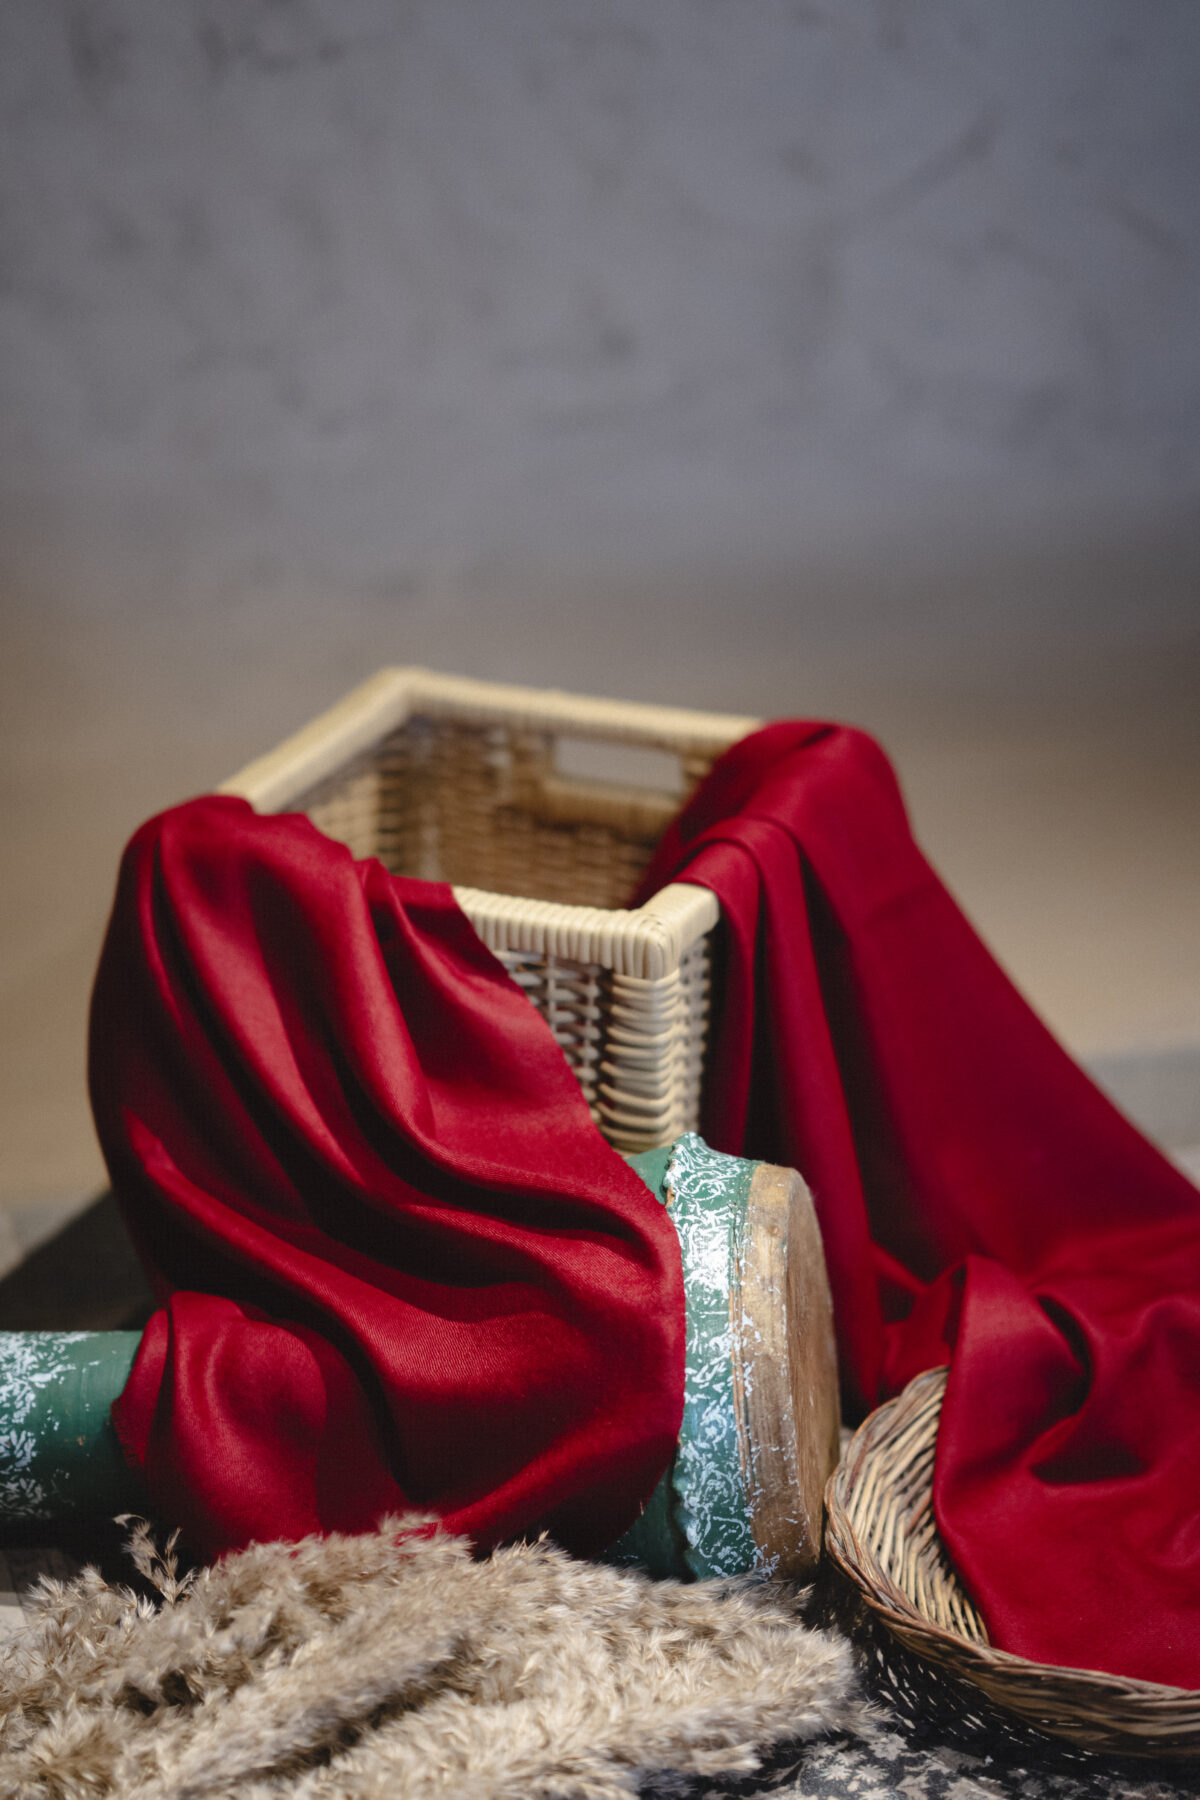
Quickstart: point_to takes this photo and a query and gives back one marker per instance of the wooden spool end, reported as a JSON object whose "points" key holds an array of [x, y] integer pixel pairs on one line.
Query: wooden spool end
{"points": [[784, 1371]]}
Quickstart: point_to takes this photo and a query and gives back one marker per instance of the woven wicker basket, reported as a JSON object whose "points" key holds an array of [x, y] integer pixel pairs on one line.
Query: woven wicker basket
{"points": [[467, 782], [880, 1531]]}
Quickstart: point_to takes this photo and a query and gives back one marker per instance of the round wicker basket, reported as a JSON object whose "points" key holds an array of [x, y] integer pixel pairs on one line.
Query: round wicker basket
{"points": [[880, 1531]]}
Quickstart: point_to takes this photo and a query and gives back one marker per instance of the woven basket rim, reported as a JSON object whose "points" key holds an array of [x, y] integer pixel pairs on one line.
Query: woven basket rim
{"points": [[1092, 1707], [384, 701], [643, 943]]}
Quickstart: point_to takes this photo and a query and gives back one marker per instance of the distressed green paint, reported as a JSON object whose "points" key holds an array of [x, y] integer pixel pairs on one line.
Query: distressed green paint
{"points": [[697, 1522], [58, 1451]]}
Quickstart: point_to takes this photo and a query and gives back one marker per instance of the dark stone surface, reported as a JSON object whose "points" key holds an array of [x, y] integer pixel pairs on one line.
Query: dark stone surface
{"points": [[86, 1278]]}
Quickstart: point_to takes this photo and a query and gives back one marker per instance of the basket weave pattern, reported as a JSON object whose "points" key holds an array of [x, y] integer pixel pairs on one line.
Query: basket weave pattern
{"points": [[458, 781], [880, 1531]]}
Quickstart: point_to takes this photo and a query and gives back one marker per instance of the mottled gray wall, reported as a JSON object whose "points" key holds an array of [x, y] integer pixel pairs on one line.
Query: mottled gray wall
{"points": [[360, 295], [773, 356]]}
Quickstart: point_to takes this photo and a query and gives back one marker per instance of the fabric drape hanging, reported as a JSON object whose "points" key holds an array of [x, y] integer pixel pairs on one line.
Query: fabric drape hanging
{"points": [[400, 1268], [981, 1203], [323, 1101]]}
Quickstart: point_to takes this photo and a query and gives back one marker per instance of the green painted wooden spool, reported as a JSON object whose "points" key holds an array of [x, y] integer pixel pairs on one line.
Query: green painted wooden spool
{"points": [[59, 1454], [759, 1435], [759, 1438]]}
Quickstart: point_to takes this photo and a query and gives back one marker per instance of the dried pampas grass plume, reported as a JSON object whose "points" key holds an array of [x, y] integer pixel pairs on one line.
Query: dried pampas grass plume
{"points": [[374, 1667]]}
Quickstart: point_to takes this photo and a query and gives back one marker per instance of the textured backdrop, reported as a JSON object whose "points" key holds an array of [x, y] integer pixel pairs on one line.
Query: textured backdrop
{"points": [[771, 356]]}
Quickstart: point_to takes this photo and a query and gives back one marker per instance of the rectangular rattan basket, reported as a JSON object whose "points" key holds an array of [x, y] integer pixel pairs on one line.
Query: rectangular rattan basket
{"points": [[469, 782]]}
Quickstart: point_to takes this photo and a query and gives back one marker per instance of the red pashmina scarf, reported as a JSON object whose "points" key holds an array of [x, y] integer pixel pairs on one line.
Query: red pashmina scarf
{"points": [[399, 1266], [980, 1200], [322, 1100]]}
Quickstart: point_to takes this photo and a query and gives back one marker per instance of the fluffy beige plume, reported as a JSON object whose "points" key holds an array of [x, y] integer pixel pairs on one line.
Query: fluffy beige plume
{"points": [[367, 1668]]}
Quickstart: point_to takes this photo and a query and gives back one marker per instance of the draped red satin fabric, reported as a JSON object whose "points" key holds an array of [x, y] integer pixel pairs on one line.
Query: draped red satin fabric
{"points": [[981, 1203], [399, 1267]]}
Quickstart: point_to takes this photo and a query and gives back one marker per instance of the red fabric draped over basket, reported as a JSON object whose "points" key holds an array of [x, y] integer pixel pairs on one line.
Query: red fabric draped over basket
{"points": [[399, 1265], [981, 1203]]}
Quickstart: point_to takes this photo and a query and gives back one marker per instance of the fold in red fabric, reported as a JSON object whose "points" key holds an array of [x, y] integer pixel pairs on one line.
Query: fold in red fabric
{"points": [[399, 1266], [981, 1203]]}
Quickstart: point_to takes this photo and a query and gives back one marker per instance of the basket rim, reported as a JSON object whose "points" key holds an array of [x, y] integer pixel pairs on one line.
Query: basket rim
{"points": [[644, 943], [1091, 1706], [386, 699]]}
